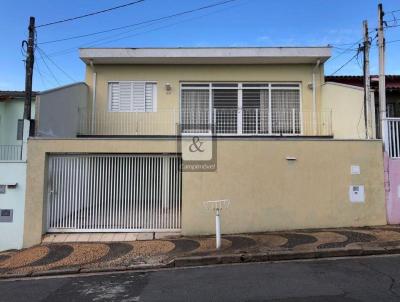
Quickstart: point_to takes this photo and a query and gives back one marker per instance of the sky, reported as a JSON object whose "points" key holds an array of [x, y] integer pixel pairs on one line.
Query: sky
{"points": [[238, 23]]}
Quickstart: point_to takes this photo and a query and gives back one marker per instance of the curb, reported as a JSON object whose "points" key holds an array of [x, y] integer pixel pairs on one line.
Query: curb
{"points": [[191, 261]]}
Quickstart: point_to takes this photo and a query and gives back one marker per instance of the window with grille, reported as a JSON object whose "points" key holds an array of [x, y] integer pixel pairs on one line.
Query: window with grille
{"points": [[244, 108], [132, 96]]}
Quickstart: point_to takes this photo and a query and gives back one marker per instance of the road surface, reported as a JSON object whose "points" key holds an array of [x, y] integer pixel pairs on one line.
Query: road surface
{"points": [[346, 280]]}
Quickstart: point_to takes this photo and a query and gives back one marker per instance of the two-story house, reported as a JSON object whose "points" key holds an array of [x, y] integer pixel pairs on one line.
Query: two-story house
{"points": [[261, 122]]}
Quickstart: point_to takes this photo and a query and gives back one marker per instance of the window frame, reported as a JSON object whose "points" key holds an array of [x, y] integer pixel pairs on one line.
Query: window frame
{"points": [[154, 101], [240, 86]]}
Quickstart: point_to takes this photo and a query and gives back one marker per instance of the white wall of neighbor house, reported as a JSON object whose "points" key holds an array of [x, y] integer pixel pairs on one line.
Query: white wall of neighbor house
{"points": [[12, 196], [10, 112], [11, 233], [347, 105], [58, 110]]}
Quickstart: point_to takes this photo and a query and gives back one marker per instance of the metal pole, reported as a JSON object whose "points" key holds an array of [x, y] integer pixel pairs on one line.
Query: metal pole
{"points": [[367, 88], [29, 68], [218, 228], [382, 85]]}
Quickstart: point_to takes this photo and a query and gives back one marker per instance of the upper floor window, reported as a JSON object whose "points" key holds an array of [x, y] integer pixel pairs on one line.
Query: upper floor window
{"points": [[243, 108], [132, 96]]}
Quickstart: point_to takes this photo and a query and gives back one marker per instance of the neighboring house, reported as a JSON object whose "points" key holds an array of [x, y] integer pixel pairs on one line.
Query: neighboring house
{"points": [[278, 154], [392, 146], [11, 121], [12, 169], [392, 92]]}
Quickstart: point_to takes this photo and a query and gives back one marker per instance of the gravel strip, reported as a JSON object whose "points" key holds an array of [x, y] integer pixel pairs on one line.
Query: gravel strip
{"points": [[56, 253], [25, 257], [352, 237], [116, 250], [152, 248], [83, 253]]}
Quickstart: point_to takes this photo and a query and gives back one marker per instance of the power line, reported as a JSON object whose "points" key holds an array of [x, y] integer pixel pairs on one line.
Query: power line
{"points": [[90, 14], [107, 39], [347, 62], [348, 49], [141, 23], [48, 68], [154, 29], [55, 64]]}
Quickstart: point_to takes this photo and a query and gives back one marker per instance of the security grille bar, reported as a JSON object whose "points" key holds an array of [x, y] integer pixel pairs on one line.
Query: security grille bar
{"points": [[226, 121], [114, 193], [10, 152], [393, 125]]}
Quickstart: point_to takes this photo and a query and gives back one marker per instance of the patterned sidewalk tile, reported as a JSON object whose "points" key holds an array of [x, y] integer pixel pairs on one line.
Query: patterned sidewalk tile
{"points": [[126, 249]]}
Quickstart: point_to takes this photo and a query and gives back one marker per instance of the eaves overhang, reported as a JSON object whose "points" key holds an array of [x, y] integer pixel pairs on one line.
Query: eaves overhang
{"points": [[220, 55]]}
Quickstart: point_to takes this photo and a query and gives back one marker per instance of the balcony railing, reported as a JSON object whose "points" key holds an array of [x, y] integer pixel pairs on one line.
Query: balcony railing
{"points": [[10, 152], [228, 122], [393, 130]]}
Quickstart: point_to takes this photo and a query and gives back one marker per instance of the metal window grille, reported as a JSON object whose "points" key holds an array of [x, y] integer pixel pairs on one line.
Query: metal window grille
{"points": [[195, 114]]}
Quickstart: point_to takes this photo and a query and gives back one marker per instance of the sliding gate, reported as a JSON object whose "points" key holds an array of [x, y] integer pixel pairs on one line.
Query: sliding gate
{"points": [[114, 193]]}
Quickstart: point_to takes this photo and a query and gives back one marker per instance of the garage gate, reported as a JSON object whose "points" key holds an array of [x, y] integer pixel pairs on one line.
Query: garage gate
{"points": [[114, 193]]}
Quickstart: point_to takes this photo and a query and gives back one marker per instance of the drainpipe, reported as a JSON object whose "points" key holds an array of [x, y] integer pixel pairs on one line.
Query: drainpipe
{"points": [[94, 79], [314, 96]]}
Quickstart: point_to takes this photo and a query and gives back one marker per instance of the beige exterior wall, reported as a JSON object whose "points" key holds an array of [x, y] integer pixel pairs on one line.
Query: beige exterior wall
{"points": [[347, 105], [267, 191], [174, 74]]}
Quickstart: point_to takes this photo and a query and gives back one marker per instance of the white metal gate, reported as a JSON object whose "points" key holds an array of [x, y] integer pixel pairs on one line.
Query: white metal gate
{"points": [[114, 193]]}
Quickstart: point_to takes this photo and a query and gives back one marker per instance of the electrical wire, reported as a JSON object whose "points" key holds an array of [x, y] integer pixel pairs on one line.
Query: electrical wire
{"points": [[55, 64], [107, 39], [91, 14], [346, 50], [141, 23], [48, 68], [347, 62]]}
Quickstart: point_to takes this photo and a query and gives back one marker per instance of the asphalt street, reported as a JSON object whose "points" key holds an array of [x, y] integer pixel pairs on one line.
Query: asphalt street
{"points": [[346, 280]]}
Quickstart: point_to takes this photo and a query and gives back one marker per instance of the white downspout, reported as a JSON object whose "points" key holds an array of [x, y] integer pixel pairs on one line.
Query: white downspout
{"points": [[94, 79], [314, 96]]}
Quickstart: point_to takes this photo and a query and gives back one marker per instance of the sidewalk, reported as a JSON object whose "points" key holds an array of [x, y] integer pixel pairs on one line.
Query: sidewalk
{"points": [[85, 257]]}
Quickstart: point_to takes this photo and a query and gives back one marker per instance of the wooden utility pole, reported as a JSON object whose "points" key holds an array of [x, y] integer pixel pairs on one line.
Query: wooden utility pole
{"points": [[382, 85], [30, 59], [367, 87]]}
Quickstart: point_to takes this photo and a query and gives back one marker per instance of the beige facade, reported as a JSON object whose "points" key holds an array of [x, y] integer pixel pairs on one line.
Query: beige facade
{"points": [[168, 102], [273, 183], [267, 191], [347, 106]]}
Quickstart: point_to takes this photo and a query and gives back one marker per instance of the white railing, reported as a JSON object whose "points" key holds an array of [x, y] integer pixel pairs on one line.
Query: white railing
{"points": [[114, 193], [393, 129], [256, 121], [243, 122], [162, 122], [10, 152]]}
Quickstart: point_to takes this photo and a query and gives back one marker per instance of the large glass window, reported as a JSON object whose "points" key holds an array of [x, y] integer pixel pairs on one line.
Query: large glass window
{"points": [[243, 108]]}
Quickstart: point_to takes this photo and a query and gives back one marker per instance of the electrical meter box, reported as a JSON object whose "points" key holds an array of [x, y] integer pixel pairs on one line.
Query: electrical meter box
{"points": [[356, 193]]}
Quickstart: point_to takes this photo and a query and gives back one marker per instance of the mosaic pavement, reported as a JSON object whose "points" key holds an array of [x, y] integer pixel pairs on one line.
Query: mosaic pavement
{"points": [[97, 255]]}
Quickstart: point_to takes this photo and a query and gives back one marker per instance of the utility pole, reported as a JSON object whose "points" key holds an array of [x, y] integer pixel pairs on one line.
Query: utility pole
{"points": [[30, 58], [367, 88], [382, 85]]}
